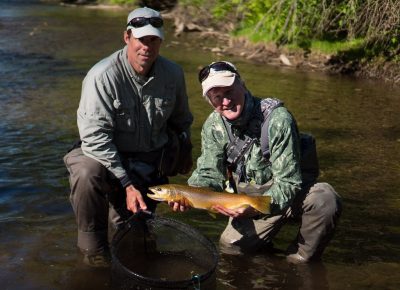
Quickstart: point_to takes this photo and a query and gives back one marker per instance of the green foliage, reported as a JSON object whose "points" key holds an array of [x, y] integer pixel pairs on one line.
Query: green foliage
{"points": [[332, 47], [302, 22], [373, 24], [123, 2], [196, 3]]}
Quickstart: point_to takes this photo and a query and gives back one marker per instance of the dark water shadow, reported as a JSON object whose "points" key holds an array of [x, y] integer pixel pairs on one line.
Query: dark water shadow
{"points": [[267, 271], [31, 71], [84, 278]]}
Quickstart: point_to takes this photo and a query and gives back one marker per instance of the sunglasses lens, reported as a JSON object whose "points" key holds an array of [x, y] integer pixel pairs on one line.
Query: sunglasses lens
{"points": [[138, 22], [156, 22], [217, 66], [203, 74], [142, 21]]}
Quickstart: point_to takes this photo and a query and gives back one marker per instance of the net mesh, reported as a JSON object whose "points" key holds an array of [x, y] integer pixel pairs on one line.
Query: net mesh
{"points": [[151, 252]]}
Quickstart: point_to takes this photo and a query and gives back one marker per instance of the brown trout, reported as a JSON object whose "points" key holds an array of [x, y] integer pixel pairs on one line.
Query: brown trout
{"points": [[205, 198]]}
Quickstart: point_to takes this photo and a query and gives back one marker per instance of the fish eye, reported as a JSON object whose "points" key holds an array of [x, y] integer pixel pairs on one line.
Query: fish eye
{"points": [[158, 188]]}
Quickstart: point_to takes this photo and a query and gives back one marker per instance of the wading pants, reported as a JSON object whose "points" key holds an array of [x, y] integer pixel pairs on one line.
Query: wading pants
{"points": [[319, 210], [97, 198]]}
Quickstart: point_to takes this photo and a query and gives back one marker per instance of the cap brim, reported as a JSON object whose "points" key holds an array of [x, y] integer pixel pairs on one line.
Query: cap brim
{"points": [[220, 79], [146, 31]]}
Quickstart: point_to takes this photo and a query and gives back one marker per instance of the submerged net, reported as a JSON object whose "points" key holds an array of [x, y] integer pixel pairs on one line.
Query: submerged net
{"points": [[152, 252]]}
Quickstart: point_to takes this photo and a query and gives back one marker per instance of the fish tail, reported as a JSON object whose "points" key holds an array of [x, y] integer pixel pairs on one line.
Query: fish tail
{"points": [[262, 204]]}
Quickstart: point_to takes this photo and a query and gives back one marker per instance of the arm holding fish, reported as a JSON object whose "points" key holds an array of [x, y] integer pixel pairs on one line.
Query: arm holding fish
{"points": [[285, 169], [211, 165], [285, 160], [211, 169], [181, 205], [209, 172], [243, 212]]}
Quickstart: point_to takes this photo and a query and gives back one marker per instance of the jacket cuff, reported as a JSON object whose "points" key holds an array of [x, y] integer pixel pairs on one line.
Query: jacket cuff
{"points": [[125, 181]]}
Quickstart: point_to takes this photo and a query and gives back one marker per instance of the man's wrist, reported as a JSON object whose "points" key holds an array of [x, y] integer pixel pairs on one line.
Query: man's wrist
{"points": [[125, 181]]}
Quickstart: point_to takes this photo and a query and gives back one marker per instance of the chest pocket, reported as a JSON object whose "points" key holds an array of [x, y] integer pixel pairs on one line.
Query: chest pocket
{"points": [[163, 106], [124, 117], [257, 168]]}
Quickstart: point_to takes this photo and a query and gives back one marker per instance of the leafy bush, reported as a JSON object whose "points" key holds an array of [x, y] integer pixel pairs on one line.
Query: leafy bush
{"points": [[300, 22]]}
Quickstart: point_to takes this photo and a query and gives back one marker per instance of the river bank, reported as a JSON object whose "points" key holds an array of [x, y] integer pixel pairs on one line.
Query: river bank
{"points": [[217, 38], [189, 20]]}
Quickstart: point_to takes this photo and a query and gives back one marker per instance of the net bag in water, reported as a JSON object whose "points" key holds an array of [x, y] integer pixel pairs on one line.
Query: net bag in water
{"points": [[151, 252]]}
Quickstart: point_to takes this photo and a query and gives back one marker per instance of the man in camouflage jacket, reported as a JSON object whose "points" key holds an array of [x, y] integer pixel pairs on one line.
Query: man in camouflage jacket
{"points": [[280, 177]]}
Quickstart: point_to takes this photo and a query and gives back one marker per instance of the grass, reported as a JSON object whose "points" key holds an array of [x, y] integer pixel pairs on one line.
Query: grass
{"points": [[325, 47], [329, 47]]}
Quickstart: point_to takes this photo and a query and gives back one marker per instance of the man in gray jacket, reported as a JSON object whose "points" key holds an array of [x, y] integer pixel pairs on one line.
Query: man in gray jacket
{"points": [[130, 103]]}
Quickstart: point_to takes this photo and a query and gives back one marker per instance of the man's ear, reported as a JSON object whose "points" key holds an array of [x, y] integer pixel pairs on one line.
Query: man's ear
{"points": [[127, 36]]}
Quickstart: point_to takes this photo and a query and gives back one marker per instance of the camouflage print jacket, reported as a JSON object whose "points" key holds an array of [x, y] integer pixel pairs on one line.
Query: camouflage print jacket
{"points": [[282, 170]]}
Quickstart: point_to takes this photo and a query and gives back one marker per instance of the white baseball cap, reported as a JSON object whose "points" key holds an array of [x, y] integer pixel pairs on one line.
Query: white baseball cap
{"points": [[217, 74], [144, 17]]}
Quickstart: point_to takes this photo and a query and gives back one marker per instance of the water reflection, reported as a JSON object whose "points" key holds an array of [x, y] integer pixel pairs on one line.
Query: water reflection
{"points": [[45, 51], [82, 278], [270, 272]]}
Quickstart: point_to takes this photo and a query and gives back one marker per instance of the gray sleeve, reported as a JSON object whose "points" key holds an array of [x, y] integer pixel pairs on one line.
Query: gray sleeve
{"points": [[181, 118], [95, 119]]}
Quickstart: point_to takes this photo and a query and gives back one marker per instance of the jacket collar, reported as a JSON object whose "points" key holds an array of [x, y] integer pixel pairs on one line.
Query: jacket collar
{"points": [[133, 74]]}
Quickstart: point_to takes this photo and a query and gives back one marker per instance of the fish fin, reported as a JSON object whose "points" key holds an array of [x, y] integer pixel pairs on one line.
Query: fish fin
{"points": [[262, 204]]}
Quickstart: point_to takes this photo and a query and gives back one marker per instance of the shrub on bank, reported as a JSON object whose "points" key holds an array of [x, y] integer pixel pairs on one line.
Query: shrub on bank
{"points": [[374, 26]]}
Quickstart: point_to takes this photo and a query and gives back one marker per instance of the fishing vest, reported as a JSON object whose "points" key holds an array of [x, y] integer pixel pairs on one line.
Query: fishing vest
{"points": [[238, 147]]}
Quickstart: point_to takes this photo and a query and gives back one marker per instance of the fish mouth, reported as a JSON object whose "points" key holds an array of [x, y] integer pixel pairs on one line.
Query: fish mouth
{"points": [[153, 195]]}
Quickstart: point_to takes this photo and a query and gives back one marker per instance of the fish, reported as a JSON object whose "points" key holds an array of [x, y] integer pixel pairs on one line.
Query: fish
{"points": [[206, 198]]}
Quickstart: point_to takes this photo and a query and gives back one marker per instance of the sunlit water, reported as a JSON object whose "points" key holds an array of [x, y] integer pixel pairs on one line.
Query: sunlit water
{"points": [[45, 51]]}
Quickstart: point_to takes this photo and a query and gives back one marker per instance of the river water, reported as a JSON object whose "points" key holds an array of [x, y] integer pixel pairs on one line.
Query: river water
{"points": [[45, 51]]}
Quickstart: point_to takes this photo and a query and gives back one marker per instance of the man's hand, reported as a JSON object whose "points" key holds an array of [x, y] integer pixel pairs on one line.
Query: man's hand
{"points": [[179, 206], [243, 212], [134, 199]]}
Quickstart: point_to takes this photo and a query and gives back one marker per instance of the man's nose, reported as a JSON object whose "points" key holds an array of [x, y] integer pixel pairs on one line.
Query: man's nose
{"points": [[226, 100], [146, 44]]}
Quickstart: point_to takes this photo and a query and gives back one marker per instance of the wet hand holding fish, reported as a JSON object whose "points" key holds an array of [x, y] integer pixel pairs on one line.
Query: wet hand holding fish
{"points": [[205, 198], [247, 212]]}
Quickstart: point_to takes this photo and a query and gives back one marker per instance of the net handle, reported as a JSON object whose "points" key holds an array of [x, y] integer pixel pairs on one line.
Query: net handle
{"points": [[142, 215]]}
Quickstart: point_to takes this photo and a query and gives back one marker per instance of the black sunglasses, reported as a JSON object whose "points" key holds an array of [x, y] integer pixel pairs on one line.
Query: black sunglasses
{"points": [[142, 21], [216, 66]]}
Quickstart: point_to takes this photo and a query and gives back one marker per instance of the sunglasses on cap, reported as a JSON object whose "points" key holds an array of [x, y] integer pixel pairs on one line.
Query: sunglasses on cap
{"points": [[216, 66], [138, 22]]}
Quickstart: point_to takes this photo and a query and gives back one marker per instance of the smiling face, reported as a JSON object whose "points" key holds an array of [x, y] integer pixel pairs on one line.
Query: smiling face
{"points": [[228, 101], [142, 52]]}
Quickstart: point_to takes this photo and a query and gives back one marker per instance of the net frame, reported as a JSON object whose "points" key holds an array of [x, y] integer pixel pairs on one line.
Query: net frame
{"points": [[125, 277]]}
